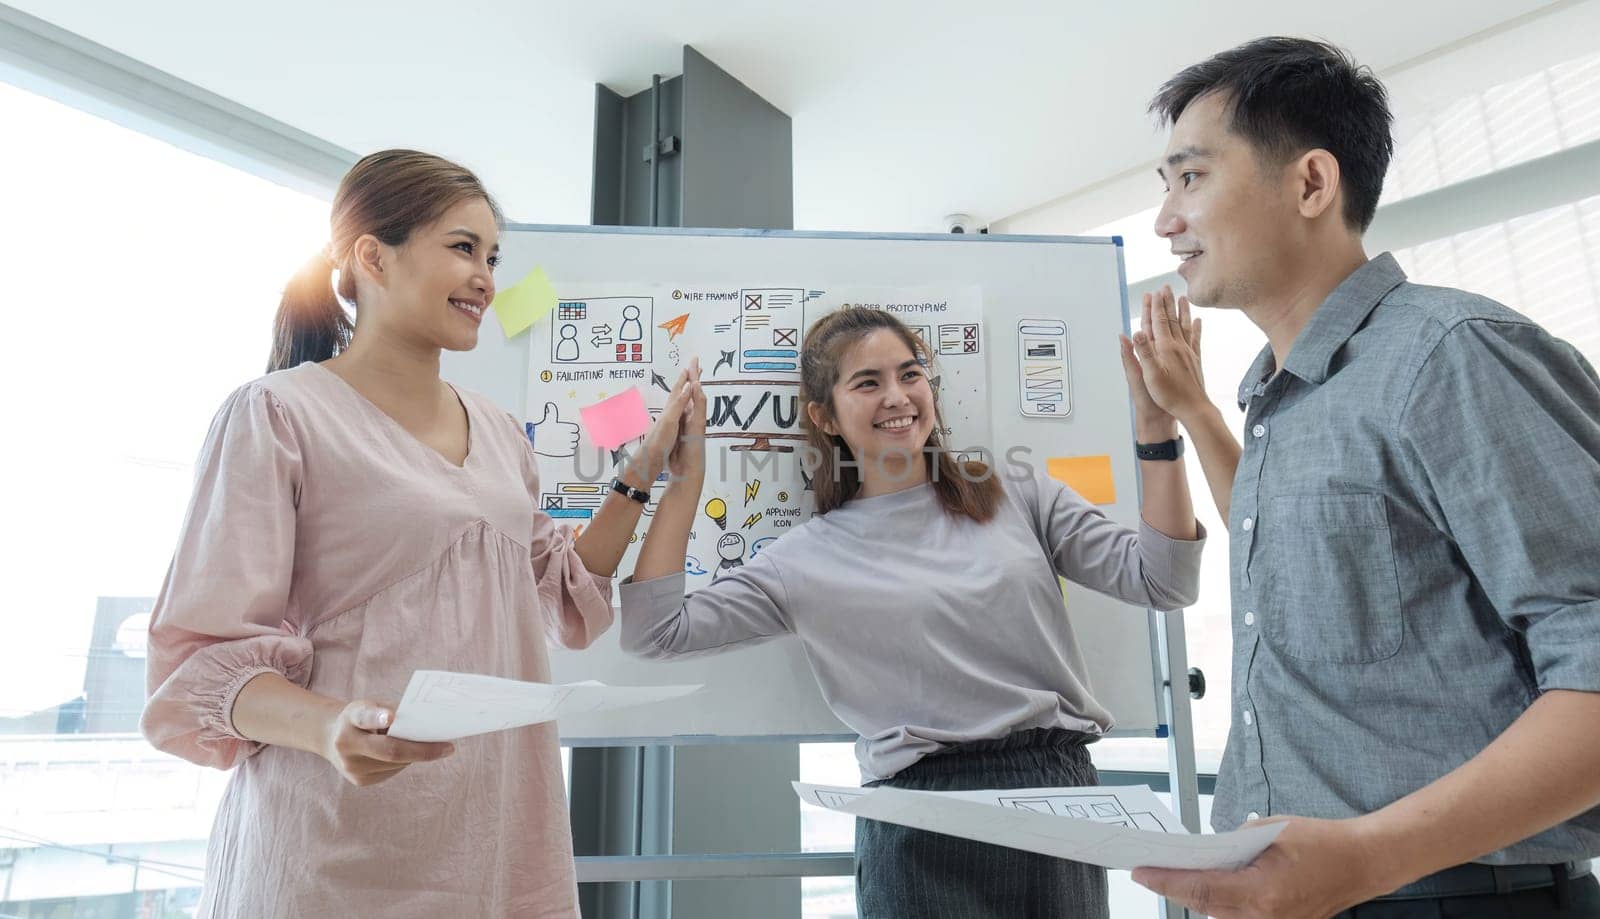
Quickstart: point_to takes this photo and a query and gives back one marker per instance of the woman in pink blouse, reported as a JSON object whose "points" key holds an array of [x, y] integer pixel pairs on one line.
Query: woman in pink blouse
{"points": [[356, 518]]}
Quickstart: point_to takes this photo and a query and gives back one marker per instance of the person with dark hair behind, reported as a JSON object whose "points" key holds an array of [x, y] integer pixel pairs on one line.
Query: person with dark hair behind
{"points": [[1412, 538], [354, 519], [926, 594]]}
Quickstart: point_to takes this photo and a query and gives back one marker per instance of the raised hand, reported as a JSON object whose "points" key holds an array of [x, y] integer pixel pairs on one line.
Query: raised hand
{"points": [[661, 441], [687, 461], [1162, 361]]}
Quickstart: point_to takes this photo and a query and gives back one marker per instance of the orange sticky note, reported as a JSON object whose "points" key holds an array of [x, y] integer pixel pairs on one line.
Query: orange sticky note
{"points": [[1089, 476], [525, 302]]}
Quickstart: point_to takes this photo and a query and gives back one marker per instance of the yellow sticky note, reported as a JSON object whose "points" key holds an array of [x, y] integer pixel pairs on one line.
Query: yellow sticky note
{"points": [[1089, 476], [525, 302]]}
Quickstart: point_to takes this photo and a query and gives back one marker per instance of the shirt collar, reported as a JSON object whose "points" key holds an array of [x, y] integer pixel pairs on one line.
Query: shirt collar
{"points": [[1331, 325]]}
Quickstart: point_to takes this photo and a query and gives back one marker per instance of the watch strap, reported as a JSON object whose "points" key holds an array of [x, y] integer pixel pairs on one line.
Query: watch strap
{"points": [[1165, 450], [623, 488]]}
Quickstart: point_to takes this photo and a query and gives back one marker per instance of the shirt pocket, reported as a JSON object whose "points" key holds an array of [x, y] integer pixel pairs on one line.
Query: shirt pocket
{"points": [[1333, 594]]}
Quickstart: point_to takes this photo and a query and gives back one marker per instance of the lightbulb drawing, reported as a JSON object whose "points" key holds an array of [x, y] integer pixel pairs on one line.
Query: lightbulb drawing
{"points": [[717, 510]]}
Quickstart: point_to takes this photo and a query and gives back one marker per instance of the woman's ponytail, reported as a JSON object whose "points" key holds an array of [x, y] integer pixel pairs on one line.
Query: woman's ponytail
{"points": [[311, 324]]}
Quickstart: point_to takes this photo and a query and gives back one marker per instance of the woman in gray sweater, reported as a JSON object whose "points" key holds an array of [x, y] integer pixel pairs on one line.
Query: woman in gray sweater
{"points": [[925, 592]]}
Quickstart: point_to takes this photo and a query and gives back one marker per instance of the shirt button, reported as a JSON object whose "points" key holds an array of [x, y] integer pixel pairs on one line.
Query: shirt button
{"points": [[1249, 718], [1252, 816], [1249, 524], [1259, 430], [1249, 618]]}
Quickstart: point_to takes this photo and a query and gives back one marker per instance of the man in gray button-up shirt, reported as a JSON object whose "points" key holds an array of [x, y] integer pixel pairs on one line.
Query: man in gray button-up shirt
{"points": [[1414, 526]]}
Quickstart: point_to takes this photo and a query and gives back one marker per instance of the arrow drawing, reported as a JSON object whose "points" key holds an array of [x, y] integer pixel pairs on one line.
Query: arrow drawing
{"points": [[675, 326]]}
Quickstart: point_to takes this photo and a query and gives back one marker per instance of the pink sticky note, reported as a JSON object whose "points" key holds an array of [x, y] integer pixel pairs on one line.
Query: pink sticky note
{"points": [[617, 420]]}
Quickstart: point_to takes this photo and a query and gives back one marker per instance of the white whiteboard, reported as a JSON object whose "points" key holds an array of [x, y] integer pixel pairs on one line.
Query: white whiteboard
{"points": [[767, 691]]}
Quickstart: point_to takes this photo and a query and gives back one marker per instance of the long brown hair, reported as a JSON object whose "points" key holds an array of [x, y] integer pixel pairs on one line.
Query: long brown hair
{"points": [[388, 195], [964, 490]]}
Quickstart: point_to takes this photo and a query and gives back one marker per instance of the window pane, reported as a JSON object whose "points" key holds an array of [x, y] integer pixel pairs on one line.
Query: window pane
{"points": [[141, 281], [827, 831], [1544, 265], [1555, 109]]}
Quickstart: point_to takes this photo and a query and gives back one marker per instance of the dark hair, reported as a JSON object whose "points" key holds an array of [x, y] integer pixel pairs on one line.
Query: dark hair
{"points": [[964, 490], [387, 195], [1290, 95]]}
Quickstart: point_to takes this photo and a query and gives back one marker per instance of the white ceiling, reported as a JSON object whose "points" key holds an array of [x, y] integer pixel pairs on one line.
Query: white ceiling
{"points": [[903, 111]]}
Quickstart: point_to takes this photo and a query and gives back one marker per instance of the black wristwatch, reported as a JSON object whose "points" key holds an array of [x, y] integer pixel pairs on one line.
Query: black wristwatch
{"points": [[623, 488], [1166, 450]]}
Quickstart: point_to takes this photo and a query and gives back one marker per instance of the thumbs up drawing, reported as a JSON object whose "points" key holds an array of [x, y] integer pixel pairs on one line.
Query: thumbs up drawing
{"points": [[552, 436]]}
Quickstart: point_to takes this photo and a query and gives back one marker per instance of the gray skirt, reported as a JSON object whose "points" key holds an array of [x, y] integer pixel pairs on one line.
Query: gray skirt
{"points": [[902, 873]]}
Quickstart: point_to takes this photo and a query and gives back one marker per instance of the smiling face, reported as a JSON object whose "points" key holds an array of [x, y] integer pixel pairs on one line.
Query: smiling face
{"points": [[882, 402], [437, 285], [1232, 218]]}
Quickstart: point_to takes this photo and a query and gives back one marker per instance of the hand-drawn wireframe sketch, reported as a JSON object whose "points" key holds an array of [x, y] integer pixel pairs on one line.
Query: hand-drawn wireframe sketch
{"points": [[770, 324], [1043, 372], [573, 500], [611, 332], [980, 816], [959, 338], [1100, 808]]}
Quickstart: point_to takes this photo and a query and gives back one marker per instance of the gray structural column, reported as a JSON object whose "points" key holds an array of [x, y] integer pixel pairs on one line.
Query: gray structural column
{"points": [[698, 149]]}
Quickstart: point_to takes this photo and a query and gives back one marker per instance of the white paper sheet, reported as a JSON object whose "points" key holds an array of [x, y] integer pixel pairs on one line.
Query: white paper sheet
{"points": [[442, 705], [1122, 826]]}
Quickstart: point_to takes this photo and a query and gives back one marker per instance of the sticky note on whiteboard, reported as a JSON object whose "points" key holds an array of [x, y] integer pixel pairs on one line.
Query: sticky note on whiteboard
{"points": [[1089, 476], [617, 420], [525, 302], [1044, 386]]}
